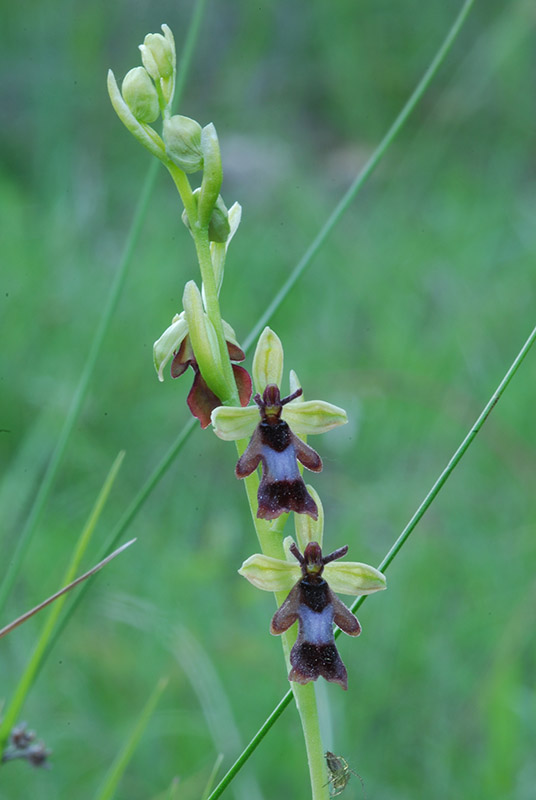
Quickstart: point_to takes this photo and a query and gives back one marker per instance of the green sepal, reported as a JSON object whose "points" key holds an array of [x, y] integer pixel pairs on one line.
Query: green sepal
{"points": [[268, 361], [309, 529], [352, 577], [231, 423], [270, 574], [313, 416]]}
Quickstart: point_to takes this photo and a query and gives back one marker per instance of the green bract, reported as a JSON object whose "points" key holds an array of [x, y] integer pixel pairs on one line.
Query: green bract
{"points": [[140, 130]]}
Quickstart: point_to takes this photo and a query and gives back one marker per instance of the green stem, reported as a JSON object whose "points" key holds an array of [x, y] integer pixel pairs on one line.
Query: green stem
{"points": [[202, 246], [271, 542], [182, 183]]}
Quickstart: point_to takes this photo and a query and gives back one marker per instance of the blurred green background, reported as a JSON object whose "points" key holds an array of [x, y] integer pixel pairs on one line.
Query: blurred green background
{"points": [[408, 318]]}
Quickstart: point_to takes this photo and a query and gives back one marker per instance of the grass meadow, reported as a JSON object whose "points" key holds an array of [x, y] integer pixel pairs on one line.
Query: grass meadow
{"points": [[408, 318]]}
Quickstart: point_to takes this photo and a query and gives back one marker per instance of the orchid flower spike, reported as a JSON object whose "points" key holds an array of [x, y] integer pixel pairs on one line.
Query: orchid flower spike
{"points": [[274, 442], [314, 605]]}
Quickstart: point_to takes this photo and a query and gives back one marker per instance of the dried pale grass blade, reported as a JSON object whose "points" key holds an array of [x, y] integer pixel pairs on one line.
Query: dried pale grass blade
{"points": [[15, 624]]}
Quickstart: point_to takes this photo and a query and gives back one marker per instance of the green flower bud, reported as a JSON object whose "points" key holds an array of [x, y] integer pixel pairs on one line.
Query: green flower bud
{"points": [[157, 56], [140, 95], [218, 227], [182, 137], [159, 59]]}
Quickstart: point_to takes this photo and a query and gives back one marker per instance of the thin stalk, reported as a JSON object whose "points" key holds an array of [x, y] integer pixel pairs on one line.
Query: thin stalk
{"points": [[202, 248], [180, 179], [271, 542], [13, 566]]}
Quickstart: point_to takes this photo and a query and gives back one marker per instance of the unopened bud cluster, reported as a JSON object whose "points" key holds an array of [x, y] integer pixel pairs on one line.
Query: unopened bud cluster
{"points": [[146, 94]]}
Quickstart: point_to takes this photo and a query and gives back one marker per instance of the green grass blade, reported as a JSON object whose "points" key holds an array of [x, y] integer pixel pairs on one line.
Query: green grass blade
{"points": [[453, 463], [26, 536], [129, 515], [212, 777], [173, 793], [112, 779], [363, 175], [44, 490], [28, 677]]}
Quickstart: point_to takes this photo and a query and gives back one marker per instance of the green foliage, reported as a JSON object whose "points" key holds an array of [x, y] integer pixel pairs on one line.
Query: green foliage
{"points": [[408, 320]]}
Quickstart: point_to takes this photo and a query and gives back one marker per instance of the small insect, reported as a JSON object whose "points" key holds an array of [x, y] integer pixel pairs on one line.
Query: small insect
{"points": [[339, 774]]}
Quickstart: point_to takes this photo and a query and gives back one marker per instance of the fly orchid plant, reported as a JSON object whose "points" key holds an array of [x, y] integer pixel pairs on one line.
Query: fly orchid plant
{"points": [[270, 433]]}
